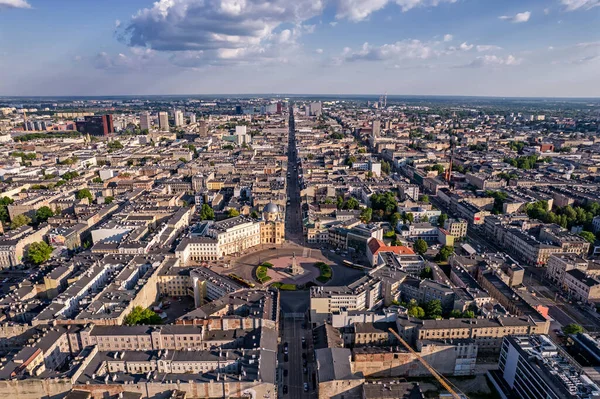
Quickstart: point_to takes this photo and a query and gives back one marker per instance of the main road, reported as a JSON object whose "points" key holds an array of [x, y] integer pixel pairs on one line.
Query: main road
{"points": [[293, 209], [297, 367]]}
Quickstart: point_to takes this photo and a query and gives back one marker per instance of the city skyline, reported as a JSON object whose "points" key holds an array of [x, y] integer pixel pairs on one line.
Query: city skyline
{"points": [[187, 47]]}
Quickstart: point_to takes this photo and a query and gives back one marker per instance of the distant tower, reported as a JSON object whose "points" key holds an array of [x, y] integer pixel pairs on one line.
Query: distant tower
{"points": [[145, 121], [295, 269], [376, 127], [163, 121], [178, 116]]}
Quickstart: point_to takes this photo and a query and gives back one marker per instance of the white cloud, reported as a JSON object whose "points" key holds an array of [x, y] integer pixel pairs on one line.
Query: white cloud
{"points": [[518, 18], [572, 5], [487, 47], [137, 60], [14, 4], [212, 31], [465, 47], [117, 23], [358, 10], [448, 37], [334, 23], [493, 61], [546, 11], [399, 51], [319, 51]]}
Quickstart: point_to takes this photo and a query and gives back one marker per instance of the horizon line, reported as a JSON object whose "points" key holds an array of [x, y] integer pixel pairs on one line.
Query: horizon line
{"points": [[302, 95]]}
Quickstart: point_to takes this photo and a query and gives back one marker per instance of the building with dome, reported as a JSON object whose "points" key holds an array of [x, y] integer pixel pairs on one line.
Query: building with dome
{"points": [[272, 225]]}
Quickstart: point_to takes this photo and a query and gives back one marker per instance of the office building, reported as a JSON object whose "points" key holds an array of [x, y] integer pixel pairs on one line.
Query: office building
{"points": [[163, 121], [534, 367], [145, 121], [96, 125], [376, 127], [192, 118], [178, 117]]}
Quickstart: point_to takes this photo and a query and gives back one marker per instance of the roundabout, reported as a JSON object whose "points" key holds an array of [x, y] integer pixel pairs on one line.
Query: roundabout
{"points": [[280, 257], [296, 270]]}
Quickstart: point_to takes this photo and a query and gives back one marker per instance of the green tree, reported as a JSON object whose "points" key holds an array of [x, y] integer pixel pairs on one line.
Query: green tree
{"points": [[340, 202], [85, 193], [366, 214], [232, 213], [254, 215], [385, 202], [109, 199], [4, 203], [457, 314], [588, 236], [352, 203], [385, 167], [420, 246], [96, 180], [141, 316], [439, 168], [19, 220], [43, 214], [206, 212], [468, 314], [425, 198], [426, 273], [572, 329], [444, 253], [417, 312], [433, 309], [39, 252], [410, 217], [115, 145], [394, 219], [442, 219], [69, 176]]}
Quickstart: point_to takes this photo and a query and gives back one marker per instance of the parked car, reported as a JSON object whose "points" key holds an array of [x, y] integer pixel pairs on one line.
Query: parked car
{"points": [[306, 387]]}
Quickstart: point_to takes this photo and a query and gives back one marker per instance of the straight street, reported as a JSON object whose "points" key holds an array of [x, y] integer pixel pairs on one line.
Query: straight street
{"points": [[296, 377]]}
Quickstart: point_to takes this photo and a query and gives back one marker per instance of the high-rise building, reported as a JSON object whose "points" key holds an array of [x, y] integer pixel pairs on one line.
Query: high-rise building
{"points": [[192, 118], [163, 121], [203, 128], [315, 108], [178, 116], [533, 367], [376, 127], [145, 121], [96, 125]]}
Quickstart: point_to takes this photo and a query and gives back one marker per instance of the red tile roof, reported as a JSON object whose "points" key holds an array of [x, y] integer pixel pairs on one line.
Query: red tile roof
{"points": [[375, 246]]}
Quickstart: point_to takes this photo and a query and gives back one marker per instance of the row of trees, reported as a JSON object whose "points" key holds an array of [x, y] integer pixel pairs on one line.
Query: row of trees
{"points": [[567, 216]]}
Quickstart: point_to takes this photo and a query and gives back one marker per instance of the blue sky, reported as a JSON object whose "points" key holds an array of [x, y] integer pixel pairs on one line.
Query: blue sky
{"points": [[420, 47]]}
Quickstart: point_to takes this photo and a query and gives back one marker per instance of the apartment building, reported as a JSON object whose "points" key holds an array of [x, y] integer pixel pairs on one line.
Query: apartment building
{"points": [[581, 287], [198, 249], [456, 227], [235, 234], [534, 367], [560, 263], [13, 244], [486, 333]]}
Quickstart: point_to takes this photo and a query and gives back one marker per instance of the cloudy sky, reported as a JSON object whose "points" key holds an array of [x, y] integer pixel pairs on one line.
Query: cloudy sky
{"points": [[444, 47]]}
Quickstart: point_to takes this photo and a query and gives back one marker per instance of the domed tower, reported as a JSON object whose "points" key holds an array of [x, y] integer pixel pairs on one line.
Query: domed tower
{"points": [[271, 212]]}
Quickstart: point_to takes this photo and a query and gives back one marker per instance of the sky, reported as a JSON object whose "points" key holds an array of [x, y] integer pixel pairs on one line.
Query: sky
{"points": [[530, 48]]}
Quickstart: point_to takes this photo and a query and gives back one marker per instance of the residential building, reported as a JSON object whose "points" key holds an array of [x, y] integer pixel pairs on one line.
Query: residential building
{"points": [[534, 367]]}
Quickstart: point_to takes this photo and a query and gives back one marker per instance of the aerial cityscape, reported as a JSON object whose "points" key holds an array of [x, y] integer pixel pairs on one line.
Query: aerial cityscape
{"points": [[413, 216]]}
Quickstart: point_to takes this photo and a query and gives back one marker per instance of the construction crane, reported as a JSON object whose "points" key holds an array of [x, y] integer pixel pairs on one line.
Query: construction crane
{"points": [[434, 373]]}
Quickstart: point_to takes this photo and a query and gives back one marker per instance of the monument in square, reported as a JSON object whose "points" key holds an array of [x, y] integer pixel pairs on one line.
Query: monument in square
{"points": [[295, 269]]}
